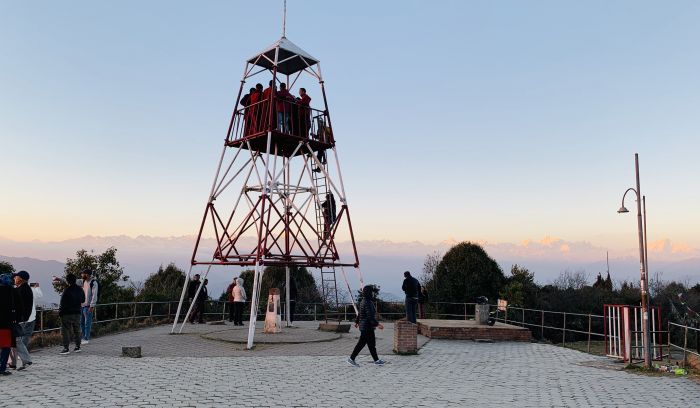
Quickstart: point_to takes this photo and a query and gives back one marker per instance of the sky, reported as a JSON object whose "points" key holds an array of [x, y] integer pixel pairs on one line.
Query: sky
{"points": [[502, 122]]}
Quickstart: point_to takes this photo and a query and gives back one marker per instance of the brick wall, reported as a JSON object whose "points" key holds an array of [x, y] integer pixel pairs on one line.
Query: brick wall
{"points": [[471, 333], [405, 337]]}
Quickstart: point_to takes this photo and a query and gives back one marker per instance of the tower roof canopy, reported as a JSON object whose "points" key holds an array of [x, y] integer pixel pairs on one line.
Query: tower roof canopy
{"points": [[290, 59]]}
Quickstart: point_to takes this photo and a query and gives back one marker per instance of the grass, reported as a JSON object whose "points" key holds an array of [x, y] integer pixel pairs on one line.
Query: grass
{"points": [[597, 348]]}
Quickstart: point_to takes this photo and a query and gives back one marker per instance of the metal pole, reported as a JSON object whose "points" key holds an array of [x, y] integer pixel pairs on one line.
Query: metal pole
{"points": [[642, 269], [668, 334], [685, 347], [287, 301], [563, 336], [589, 334], [542, 325], [523, 323]]}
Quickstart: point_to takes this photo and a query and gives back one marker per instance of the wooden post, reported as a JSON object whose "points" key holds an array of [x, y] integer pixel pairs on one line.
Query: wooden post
{"points": [[169, 310], [523, 323], [150, 314], [116, 311]]}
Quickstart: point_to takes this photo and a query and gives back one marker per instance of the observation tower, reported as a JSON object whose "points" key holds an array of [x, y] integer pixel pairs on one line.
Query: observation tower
{"points": [[278, 196]]}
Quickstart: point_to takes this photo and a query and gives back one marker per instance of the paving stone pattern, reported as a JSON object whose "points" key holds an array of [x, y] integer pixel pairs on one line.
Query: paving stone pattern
{"points": [[187, 370]]}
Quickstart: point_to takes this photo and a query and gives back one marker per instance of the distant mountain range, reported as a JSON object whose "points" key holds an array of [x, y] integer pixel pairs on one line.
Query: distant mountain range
{"points": [[382, 262]]}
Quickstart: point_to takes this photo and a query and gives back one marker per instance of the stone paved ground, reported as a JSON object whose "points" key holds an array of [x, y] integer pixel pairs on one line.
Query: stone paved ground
{"points": [[444, 374]]}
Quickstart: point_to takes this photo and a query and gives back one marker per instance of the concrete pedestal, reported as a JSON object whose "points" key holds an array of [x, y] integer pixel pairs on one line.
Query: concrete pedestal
{"points": [[481, 314]]}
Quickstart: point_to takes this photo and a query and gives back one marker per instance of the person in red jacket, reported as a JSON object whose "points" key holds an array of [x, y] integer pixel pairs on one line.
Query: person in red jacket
{"points": [[304, 102], [229, 299], [282, 99], [255, 108], [268, 93]]}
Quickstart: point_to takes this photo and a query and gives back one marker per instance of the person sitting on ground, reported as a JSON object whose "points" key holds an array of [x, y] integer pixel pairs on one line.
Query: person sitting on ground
{"points": [[70, 311], [367, 322]]}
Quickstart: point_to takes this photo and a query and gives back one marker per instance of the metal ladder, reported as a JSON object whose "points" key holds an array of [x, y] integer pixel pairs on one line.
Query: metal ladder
{"points": [[329, 283], [329, 287]]}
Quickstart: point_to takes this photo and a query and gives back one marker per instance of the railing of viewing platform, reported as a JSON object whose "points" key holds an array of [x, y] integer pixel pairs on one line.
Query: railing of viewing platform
{"points": [[296, 119], [555, 326], [690, 338]]}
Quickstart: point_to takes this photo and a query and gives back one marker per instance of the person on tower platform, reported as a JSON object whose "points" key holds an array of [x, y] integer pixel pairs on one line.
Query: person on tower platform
{"points": [[247, 112], [256, 108], [268, 93], [282, 99], [304, 101]]}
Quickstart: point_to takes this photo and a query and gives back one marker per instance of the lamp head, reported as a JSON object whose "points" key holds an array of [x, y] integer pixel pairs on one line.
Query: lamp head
{"points": [[622, 210]]}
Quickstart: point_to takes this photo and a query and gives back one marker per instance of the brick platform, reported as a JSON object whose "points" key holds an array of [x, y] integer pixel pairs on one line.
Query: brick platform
{"points": [[470, 330]]}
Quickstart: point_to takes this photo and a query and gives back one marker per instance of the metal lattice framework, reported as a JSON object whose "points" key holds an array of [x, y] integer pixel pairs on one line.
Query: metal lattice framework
{"points": [[278, 196]]}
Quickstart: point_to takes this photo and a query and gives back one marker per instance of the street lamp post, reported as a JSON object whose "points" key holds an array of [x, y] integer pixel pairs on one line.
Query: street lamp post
{"points": [[644, 286]]}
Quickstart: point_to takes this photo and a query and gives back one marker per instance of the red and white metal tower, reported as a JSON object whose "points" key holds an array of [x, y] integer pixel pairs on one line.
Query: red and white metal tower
{"points": [[278, 196]]}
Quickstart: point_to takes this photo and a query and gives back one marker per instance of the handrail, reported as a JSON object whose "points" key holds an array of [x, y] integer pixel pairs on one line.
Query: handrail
{"points": [[392, 310]]}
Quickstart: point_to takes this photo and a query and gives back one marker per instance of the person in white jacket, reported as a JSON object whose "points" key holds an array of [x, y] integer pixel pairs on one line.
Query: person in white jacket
{"points": [[239, 299]]}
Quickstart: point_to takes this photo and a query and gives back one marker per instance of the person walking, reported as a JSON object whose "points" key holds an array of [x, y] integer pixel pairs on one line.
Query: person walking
{"points": [[411, 288], [239, 298], [8, 319], [87, 308], [367, 322], [26, 317], [70, 311], [229, 300]]}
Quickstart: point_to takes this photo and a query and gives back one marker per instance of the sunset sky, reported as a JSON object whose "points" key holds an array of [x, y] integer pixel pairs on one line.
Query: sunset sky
{"points": [[506, 122]]}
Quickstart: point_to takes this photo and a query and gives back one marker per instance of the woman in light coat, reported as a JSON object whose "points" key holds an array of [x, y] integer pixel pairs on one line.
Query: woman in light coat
{"points": [[239, 299]]}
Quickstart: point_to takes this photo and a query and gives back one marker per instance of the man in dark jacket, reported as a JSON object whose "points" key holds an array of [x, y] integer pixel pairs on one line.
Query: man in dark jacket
{"points": [[71, 299], [411, 288], [24, 293], [366, 321]]}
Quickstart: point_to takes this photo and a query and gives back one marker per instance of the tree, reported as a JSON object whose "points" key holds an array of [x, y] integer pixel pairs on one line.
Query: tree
{"points": [[430, 264], [164, 285], [571, 280], [106, 269], [520, 289], [464, 273], [6, 267]]}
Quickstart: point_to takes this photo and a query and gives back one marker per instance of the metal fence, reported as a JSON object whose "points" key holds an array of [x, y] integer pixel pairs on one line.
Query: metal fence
{"points": [[690, 336], [558, 327]]}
